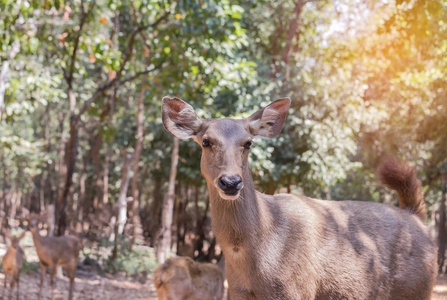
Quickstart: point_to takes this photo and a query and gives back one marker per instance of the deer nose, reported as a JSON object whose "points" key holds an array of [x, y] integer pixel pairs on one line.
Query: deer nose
{"points": [[230, 184]]}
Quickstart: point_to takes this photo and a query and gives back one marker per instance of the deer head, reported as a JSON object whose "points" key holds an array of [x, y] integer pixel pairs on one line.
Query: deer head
{"points": [[15, 240], [225, 142], [34, 220]]}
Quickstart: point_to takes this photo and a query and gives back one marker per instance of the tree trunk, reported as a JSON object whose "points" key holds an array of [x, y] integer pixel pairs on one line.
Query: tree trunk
{"points": [[122, 200], [105, 187], [50, 219], [442, 219], [4, 73], [59, 166], [82, 198], [165, 236], [152, 222], [138, 147], [200, 225], [70, 160], [96, 148], [293, 31], [95, 203], [3, 211], [105, 180], [5, 199], [185, 223], [121, 212]]}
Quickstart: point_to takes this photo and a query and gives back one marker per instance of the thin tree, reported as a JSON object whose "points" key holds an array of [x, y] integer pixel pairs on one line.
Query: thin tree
{"points": [[165, 235], [441, 225]]}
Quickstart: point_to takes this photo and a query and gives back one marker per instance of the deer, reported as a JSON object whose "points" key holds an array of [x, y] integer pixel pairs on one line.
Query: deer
{"points": [[55, 251], [12, 263], [181, 278], [289, 246]]}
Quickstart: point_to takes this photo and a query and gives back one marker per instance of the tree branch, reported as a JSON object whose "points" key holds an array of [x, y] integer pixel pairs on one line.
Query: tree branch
{"points": [[138, 74], [69, 77], [129, 52], [111, 84]]}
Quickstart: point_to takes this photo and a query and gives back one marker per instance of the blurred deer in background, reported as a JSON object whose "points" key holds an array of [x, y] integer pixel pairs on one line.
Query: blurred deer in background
{"points": [[12, 262], [181, 278], [55, 251], [294, 247]]}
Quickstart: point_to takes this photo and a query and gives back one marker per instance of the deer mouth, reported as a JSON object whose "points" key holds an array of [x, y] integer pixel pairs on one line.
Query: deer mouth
{"points": [[229, 196]]}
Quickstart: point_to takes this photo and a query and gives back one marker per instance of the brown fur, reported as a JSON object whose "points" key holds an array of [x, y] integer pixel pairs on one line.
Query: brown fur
{"points": [[180, 278], [55, 251], [294, 247], [12, 263]]}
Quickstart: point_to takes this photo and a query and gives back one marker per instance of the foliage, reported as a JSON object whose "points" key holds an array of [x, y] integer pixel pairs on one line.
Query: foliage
{"points": [[141, 258]]}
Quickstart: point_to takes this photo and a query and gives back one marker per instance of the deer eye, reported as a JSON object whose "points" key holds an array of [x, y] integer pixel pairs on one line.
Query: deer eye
{"points": [[206, 143], [247, 145]]}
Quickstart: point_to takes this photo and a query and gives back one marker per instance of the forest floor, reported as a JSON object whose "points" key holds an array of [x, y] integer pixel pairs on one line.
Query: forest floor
{"points": [[440, 291], [114, 287], [91, 282], [88, 285]]}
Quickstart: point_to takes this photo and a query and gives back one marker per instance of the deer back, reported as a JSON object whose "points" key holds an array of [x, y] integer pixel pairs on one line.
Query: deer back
{"points": [[182, 278], [57, 250]]}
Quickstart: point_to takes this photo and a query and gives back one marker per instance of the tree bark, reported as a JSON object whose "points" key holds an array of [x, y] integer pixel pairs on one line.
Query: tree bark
{"points": [[151, 222], [4, 73], [105, 187], [59, 166], [294, 28], [441, 225], [165, 236], [105, 180], [70, 160], [122, 200], [138, 147], [5, 200], [50, 219], [96, 198]]}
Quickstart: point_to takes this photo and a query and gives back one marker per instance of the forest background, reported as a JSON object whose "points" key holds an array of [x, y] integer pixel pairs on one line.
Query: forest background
{"points": [[81, 83]]}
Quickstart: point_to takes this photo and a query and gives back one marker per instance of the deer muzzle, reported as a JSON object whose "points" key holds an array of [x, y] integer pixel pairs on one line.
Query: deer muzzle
{"points": [[230, 186]]}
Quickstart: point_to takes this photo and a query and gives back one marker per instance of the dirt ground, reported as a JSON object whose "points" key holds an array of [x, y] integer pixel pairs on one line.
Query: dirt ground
{"points": [[94, 286], [440, 291], [87, 286], [88, 283]]}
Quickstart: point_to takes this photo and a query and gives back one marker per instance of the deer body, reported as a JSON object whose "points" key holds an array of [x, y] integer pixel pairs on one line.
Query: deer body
{"points": [[55, 251], [181, 278], [12, 263], [290, 247], [302, 248]]}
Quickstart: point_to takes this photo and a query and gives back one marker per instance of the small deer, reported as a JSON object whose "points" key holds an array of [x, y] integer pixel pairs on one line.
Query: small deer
{"points": [[294, 247], [55, 251], [12, 263], [181, 278]]}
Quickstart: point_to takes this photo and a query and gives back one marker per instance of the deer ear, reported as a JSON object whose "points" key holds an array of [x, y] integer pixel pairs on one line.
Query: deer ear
{"points": [[179, 118], [268, 121]]}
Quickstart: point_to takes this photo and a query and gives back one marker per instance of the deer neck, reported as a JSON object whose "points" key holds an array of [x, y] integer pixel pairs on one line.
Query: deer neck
{"points": [[236, 221], [37, 238], [12, 251]]}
